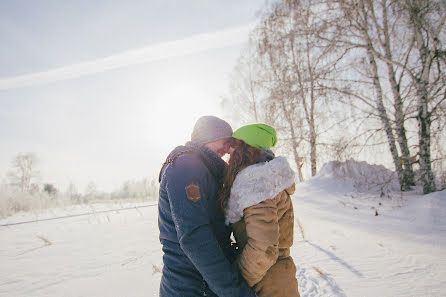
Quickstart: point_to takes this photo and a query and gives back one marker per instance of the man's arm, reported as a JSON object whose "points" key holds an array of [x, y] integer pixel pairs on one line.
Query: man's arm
{"points": [[186, 184]]}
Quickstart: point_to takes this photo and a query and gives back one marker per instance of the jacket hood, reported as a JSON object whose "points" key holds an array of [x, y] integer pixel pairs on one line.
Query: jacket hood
{"points": [[213, 162], [266, 156], [257, 183]]}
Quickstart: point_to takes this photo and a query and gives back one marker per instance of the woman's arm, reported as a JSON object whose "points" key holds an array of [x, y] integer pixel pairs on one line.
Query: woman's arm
{"points": [[261, 250]]}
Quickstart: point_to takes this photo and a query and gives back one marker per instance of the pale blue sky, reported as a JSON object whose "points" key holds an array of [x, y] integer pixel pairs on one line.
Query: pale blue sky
{"points": [[66, 94]]}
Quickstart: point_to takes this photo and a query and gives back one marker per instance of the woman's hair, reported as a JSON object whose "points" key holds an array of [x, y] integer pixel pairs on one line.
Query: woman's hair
{"points": [[243, 156]]}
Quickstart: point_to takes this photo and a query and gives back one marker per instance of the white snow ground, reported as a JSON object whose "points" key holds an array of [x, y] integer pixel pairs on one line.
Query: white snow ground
{"points": [[400, 252]]}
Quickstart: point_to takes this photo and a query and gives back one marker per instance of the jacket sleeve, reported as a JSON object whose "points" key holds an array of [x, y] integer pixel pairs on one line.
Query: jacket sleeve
{"points": [[194, 230], [262, 248]]}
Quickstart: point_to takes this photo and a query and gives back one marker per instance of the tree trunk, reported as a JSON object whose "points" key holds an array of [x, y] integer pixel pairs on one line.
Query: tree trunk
{"points": [[288, 117], [385, 120], [424, 125], [423, 117], [408, 179], [310, 116], [379, 100], [313, 155], [294, 143]]}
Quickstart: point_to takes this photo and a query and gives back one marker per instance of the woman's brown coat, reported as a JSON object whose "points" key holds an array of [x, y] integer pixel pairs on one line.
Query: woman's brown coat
{"points": [[265, 235]]}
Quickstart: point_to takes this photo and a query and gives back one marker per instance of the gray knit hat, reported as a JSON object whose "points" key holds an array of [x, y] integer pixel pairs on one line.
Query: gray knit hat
{"points": [[209, 129]]}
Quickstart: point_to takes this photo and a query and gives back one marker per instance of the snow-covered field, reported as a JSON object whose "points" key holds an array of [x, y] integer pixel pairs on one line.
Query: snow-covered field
{"points": [[358, 241]]}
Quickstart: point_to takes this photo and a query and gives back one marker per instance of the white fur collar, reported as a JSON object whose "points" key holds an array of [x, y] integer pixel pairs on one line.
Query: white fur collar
{"points": [[257, 183]]}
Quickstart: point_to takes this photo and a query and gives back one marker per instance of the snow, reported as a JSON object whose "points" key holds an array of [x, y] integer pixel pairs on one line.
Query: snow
{"points": [[348, 250], [400, 252]]}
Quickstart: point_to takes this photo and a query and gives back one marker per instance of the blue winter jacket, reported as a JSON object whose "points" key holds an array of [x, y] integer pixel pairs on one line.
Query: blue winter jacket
{"points": [[195, 240]]}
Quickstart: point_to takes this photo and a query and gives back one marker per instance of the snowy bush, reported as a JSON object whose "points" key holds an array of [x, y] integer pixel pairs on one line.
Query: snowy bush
{"points": [[143, 189], [13, 200]]}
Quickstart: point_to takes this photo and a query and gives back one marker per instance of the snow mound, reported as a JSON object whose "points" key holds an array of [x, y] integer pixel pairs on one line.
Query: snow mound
{"points": [[360, 176]]}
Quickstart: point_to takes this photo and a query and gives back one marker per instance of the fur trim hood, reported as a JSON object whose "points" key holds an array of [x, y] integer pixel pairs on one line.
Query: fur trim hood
{"points": [[257, 183]]}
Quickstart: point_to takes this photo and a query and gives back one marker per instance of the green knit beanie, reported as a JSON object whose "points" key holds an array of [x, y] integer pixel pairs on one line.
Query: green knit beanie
{"points": [[257, 135]]}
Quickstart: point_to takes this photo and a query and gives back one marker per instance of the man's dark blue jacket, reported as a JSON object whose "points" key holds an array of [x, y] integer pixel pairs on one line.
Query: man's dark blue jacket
{"points": [[195, 240]]}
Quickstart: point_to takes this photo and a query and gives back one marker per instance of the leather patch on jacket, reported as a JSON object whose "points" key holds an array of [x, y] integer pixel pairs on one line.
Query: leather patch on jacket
{"points": [[193, 192]]}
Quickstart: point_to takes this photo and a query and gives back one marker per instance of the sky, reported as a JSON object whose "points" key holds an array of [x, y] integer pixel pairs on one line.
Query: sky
{"points": [[102, 90]]}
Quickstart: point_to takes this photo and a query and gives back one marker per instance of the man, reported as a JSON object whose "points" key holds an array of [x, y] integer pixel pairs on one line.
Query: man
{"points": [[195, 240]]}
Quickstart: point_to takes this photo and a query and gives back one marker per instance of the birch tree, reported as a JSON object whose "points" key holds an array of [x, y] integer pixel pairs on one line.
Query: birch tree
{"points": [[405, 36], [386, 36], [298, 62], [384, 58], [363, 26], [366, 33], [426, 19], [24, 171]]}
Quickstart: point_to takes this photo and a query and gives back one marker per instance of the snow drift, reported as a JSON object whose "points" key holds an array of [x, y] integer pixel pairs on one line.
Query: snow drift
{"points": [[359, 176]]}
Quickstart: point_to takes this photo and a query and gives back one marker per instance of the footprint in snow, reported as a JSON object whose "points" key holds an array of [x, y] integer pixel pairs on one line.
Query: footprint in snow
{"points": [[314, 284]]}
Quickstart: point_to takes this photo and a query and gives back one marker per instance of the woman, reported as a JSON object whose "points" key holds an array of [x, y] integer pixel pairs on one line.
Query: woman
{"points": [[256, 199]]}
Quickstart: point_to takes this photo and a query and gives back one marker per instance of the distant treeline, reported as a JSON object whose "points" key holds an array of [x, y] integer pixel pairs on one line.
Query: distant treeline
{"points": [[23, 189]]}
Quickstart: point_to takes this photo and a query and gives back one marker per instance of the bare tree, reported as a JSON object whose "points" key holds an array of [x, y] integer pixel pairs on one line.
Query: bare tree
{"points": [[363, 25], [297, 63], [91, 192], [384, 58], [281, 100], [366, 33], [426, 20], [151, 188], [72, 193], [405, 36], [244, 105], [386, 23], [24, 171]]}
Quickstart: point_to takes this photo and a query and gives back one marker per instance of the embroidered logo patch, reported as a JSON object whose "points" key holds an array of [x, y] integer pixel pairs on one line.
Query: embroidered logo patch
{"points": [[193, 192]]}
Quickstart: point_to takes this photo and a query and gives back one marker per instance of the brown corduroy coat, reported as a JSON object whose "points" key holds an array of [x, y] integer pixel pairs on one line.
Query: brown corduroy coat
{"points": [[265, 232]]}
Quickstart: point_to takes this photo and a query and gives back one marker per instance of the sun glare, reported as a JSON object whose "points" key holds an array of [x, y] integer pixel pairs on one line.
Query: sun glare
{"points": [[176, 111]]}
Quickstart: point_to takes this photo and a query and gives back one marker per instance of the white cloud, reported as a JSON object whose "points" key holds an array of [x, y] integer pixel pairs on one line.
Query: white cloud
{"points": [[190, 45]]}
